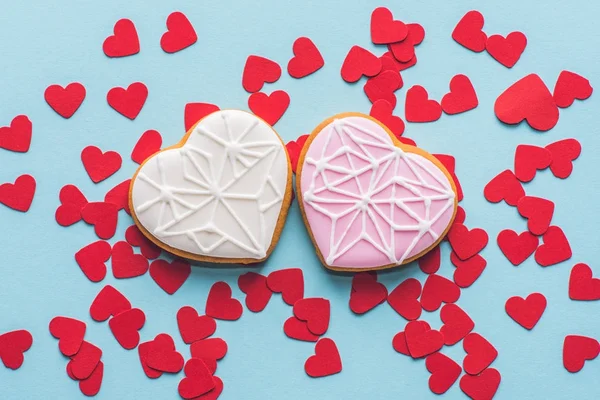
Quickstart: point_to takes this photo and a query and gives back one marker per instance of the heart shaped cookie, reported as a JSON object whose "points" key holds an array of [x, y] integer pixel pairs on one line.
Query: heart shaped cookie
{"points": [[370, 202], [220, 195]]}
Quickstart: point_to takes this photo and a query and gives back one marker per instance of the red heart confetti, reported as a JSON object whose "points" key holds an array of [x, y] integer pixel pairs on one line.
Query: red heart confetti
{"points": [[307, 58], [444, 372], [399, 343], [108, 302], [103, 216], [193, 327], [382, 110], [72, 202], [18, 195], [563, 153], [12, 346], [468, 271], [126, 264], [125, 327], [65, 101], [258, 71], [526, 312], [119, 196], [170, 276], [529, 159], [124, 42], [69, 332], [326, 360], [404, 299], [457, 324], [136, 238], [504, 186], [315, 311], [221, 305], [269, 107], [450, 163], [517, 247], [438, 290], [430, 262], [398, 65], [507, 51], [91, 385], [147, 145], [257, 292], [198, 379], [570, 86], [468, 32], [480, 353], [384, 29], [582, 284], [296, 329], [179, 35], [17, 136], [289, 282], [421, 340], [212, 349], [419, 108], [83, 364], [555, 249], [462, 96], [466, 243], [359, 62], [161, 353], [366, 293], [194, 112], [383, 86], [214, 393], [482, 386], [577, 350], [404, 51], [538, 212], [128, 102], [99, 165], [294, 148], [527, 99]]}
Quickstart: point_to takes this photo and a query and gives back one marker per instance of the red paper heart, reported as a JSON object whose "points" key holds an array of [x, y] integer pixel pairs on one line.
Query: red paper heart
{"points": [[555, 249], [527, 99], [421, 340], [179, 35], [468, 32], [83, 364], [18, 195], [99, 165], [125, 327], [69, 332], [128, 102], [404, 299], [359, 62], [193, 327], [12, 346], [582, 284], [108, 302], [450, 164], [221, 305], [444, 372], [307, 58], [570, 86], [269, 107], [257, 71], [462, 96], [136, 238], [296, 329], [294, 148], [418, 108], [529, 159], [577, 350], [119, 196], [517, 247], [526, 312], [103, 216], [383, 86], [430, 262], [457, 324], [164, 356], [170, 276], [382, 111], [399, 65], [65, 101], [404, 51], [326, 360], [480, 353], [211, 349], [504, 186], [563, 153], [91, 385], [466, 243], [92, 260], [194, 112], [438, 290], [257, 292], [384, 29], [212, 394], [198, 379], [124, 42], [289, 282], [315, 311], [468, 271], [72, 202], [399, 343], [482, 386], [366, 293], [507, 51], [538, 212], [147, 145], [17, 136], [126, 264]]}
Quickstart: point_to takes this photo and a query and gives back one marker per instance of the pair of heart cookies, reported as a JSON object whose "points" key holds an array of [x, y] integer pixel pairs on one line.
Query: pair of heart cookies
{"points": [[222, 194]]}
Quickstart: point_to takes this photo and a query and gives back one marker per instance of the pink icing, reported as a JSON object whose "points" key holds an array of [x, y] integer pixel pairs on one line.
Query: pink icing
{"points": [[367, 202]]}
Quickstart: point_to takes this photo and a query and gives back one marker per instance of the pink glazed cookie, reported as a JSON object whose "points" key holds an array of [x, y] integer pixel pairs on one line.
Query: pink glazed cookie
{"points": [[370, 202]]}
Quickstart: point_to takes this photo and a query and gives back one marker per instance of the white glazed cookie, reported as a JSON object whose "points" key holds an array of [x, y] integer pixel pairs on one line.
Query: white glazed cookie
{"points": [[220, 195]]}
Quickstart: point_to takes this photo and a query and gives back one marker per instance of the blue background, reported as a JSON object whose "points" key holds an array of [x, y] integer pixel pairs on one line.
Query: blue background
{"points": [[60, 42]]}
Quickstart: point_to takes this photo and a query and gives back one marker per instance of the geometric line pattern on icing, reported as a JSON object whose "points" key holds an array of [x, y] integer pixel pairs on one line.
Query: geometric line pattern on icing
{"points": [[368, 202], [220, 194]]}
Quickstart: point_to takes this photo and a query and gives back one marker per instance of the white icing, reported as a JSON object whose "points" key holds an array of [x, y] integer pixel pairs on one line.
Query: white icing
{"points": [[220, 194]]}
